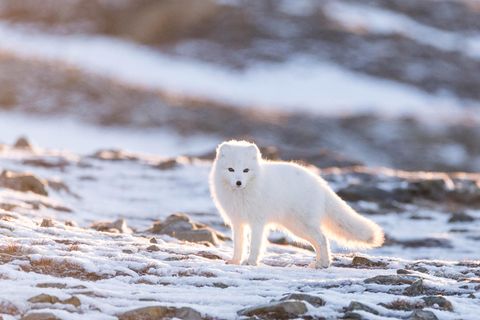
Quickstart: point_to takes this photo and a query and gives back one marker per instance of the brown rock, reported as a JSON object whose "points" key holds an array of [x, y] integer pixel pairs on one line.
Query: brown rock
{"points": [[44, 298], [355, 305], [23, 182], [440, 301], [415, 289], [161, 312], [118, 226], [153, 248], [313, 300], [74, 301], [364, 262], [40, 316], [392, 280], [23, 143], [422, 315], [47, 223], [289, 309]]}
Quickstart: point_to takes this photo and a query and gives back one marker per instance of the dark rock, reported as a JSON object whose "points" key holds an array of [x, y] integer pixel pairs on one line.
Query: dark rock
{"points": [[313, 300], [153, 240], [166, 164], [460, 217], [40, 316], [153, 248], [161, 312], [289, 309], [23, 182], [364, 262], [352, 316], [403, 271], [415, 289], [422, 315], [23, 143], [419, 243], [355, 305], [392, 280], [442, 302]]}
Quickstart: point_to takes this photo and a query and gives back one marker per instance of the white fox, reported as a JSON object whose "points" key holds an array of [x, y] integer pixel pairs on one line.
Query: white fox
{"points": [[255, 194]]}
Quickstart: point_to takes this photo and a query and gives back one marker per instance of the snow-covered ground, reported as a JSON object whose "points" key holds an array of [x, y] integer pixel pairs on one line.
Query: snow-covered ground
{"points": [[113, 273], [298, 84]]}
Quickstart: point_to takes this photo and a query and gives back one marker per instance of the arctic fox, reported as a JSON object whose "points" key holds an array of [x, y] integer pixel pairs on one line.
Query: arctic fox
{"points": [[255, 194]]}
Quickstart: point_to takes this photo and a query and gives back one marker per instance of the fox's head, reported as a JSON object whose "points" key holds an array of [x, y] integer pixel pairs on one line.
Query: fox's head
{"points": [[237, 163]]}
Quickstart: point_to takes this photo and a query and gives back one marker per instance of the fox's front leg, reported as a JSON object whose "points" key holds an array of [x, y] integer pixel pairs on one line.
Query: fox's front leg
{"points": [[256, 244], [238, 231]]}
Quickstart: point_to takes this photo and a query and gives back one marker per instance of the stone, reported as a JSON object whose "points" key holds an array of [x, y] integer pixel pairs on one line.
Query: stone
{"points": [[118, 226], [460, 217], [44, 298], [180, 226], [161, 312], [166, 164], [40, 316], [114, 155], [23, 182], [392, 280], [440, 301], [74, 301], [415, 289], [313, 300], [47, 223], [422, 315], [289, 309], [153, 248], [364, 262], [355, 305], [23, 143], [153, 240]]}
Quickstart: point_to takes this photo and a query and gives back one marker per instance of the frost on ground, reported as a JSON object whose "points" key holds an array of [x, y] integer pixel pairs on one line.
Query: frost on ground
{"points": [[63, 255]]}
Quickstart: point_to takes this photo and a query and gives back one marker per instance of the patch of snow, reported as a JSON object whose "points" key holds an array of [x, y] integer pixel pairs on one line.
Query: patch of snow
{"points": [[299, 84]]}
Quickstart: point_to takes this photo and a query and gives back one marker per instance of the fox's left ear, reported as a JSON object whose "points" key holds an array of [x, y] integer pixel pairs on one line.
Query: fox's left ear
{"points": [[221, 149], [255, 151]]}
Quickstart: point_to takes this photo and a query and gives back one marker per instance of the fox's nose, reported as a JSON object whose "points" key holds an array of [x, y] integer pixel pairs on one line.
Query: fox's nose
{"points": [[239, 183]]}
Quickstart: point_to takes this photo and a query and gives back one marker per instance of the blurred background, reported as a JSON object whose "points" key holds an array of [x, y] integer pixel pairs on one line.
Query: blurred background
{"points": [[376, 82]]}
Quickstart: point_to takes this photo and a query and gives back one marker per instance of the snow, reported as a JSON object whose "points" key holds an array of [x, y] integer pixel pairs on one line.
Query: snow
{"points": [[301, 83], [376, 20]]}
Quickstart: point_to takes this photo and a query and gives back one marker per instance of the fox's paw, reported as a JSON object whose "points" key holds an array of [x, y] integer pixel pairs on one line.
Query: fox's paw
{"points": [[322, 264], [249, 263], [233, 261]]}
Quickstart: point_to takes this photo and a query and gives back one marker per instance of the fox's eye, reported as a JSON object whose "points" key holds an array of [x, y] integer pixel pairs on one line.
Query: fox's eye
{"points": [[246, 170], [231, 169]]}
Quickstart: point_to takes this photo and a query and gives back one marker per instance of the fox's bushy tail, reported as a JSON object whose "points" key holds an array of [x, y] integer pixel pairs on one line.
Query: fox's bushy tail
{"points": [[347, 227]]}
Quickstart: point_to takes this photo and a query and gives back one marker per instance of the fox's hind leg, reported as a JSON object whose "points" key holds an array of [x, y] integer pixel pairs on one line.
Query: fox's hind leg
{"points": [[314, 235]]}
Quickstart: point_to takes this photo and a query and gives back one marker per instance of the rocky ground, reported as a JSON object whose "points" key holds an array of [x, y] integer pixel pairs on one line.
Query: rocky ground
{"points": [[127, 235]]}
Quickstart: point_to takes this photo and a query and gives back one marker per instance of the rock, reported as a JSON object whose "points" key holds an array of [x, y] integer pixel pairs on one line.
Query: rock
{"points": [[355, 305], [153, 240], [313, 300], [51, 285], [74, 301], [153, 248], [289, 309], [403, 271], [460, 217], [419, 243], [352, 316], [166, 164], [40, 316], [180, 226], [23, 182], [161, 312], [364, 262], [114, 155], [422, 315], [23, 143], [118, 226], [440, 301], [415, 289], [71, 223], [47, 223], [44, 298], [392, 280]]}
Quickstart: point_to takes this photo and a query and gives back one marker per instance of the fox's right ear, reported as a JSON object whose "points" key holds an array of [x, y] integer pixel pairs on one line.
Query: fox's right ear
{"points": [[222, 147]]}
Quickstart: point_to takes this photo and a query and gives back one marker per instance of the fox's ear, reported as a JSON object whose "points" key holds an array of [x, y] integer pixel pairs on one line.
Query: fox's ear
{"points": [[255, 151], [222, 147]]}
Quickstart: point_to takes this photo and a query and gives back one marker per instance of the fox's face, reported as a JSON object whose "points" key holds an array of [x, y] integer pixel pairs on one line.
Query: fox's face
{"points": [[238, 163]]}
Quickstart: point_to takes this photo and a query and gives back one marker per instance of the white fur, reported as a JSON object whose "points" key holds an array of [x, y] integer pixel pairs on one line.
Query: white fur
{"points": [[282, 195]]}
